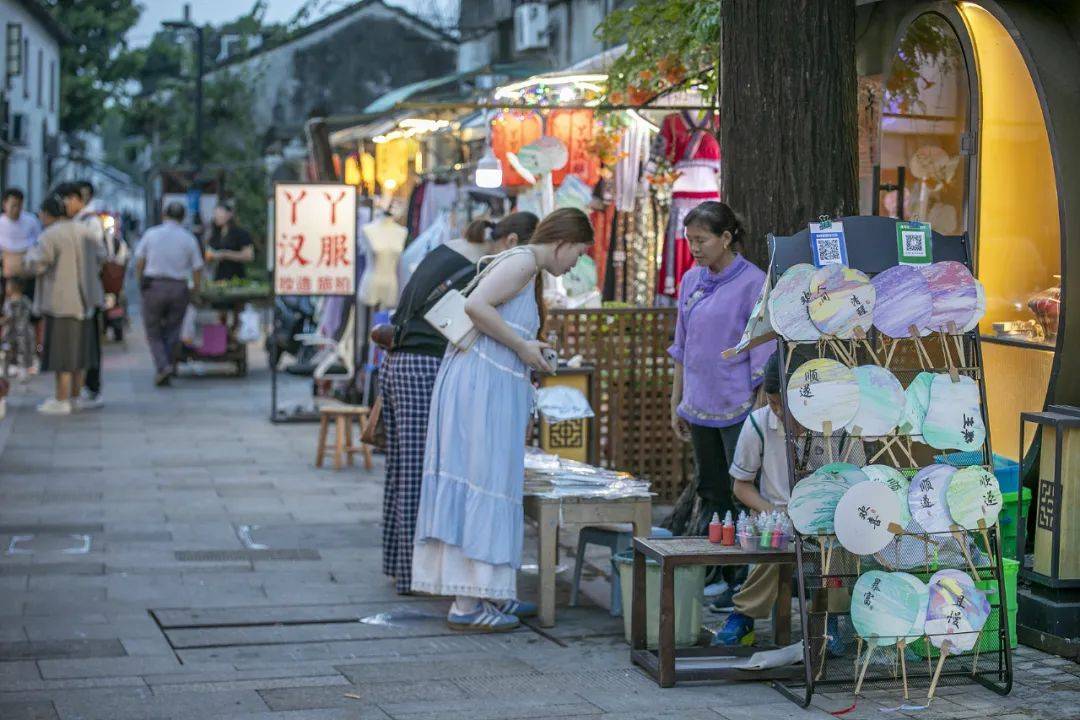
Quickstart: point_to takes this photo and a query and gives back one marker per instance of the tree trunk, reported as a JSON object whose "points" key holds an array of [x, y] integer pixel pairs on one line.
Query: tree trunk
{"points": [[788, 119], [788, 127]]}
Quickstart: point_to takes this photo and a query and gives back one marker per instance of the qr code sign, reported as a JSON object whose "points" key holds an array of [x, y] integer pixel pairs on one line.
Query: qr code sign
{"points": [[914, 243], [828, 250]]}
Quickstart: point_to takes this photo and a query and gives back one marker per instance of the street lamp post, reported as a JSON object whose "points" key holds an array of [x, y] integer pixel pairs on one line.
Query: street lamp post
{"points": [[200, 66]]}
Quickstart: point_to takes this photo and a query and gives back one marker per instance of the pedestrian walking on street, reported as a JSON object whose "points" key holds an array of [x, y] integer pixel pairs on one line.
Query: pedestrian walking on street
{"points": [[469, 530], [229, 246], [165, 258], [67, 260], [79, 205], [712, 395], [19, 231], [407, 376]]}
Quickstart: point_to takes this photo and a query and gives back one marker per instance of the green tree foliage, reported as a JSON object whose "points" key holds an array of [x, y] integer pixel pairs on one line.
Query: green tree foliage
{"points": [[96, 62], [666, 42]]}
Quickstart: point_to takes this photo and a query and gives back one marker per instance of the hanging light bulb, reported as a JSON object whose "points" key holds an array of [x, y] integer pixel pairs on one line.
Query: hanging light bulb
{"points": [[489, 170]]}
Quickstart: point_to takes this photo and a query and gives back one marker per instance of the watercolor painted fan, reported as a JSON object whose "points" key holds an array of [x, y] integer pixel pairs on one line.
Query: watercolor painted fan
{"points": [[926, 498], [881, 402], [916, 402], [896, 482], [866, 517], [788, 305], [823, 395], [954, 297], [955, 617], [974, 498], [841, 301], [812, 507], [953, 419], [980, 308], [904, 302], [888, 609]]}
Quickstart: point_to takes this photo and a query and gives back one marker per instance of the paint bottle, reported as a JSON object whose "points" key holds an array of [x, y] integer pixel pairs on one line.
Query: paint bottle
{"points": [[778, 534], [766, 531], [728, 536], [716, 530]]}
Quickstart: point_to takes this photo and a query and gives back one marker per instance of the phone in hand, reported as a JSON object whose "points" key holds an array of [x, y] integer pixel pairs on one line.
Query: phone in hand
{"points": [[551, 357]]}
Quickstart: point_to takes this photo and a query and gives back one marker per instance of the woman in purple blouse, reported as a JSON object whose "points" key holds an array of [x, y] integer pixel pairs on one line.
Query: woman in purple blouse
{"points": [[712, 396]]}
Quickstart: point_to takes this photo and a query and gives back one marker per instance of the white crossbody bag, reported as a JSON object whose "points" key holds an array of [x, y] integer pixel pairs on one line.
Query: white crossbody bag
{"points": [[448, 316]]}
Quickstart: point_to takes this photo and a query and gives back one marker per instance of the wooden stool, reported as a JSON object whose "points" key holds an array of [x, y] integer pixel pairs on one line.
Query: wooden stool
{"points": [[343, 416]]}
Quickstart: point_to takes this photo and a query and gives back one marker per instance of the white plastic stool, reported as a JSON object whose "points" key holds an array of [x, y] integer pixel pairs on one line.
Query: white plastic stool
{"points": [[617, 538]]}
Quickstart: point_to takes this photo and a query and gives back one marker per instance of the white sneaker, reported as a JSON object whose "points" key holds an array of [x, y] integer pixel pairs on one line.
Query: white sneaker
{"points": [[89, 401], [52, 406]]}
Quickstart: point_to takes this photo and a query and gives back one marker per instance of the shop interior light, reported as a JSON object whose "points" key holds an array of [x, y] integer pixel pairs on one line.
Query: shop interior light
{"points": [[488, 170], [423, 125]]}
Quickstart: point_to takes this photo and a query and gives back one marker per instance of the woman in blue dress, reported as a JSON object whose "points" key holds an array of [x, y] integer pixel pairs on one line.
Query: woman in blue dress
{"points": [[470, 525]]}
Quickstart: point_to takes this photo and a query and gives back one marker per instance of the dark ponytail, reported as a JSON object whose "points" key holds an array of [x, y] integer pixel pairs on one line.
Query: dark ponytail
{"points": [[523, 224], [478, 230], [718, 218]]}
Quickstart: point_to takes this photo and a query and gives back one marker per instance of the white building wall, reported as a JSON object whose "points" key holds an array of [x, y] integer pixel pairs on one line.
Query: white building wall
{"points": [[35, 95]]}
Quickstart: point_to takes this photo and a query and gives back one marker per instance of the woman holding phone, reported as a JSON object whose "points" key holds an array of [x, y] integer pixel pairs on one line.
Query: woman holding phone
{"points": [[470, 526]]}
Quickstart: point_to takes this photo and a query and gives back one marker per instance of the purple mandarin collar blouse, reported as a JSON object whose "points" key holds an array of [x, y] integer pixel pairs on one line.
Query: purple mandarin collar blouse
{"points": [[713, 310]]}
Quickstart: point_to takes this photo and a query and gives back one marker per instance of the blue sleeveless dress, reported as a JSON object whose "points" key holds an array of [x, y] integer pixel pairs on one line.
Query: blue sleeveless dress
{"points": [[470, 525]]}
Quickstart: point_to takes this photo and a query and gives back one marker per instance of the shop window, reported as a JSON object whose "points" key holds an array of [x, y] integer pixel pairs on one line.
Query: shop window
{"points": [[924, 121], [1018, 240]]}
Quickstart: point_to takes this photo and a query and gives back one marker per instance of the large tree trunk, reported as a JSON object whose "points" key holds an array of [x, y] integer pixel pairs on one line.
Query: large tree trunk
{"points": [[788, 120], [788, 127]]}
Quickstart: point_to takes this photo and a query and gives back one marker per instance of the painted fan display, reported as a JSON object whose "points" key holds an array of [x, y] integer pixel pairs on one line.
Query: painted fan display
{"points": [[812, 507], [980, 307], [955, 617], [865, 517], [974, 498], [953, 293], [916, 402], [788, 305], [926, 498], [823, 393], [953, 419], [904, 302], [888, 609], [881, 402], [841, 301], [896, 482]]}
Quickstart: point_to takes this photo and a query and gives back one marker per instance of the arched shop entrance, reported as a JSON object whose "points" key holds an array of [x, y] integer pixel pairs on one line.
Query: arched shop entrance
{"points": [[980, 133]]}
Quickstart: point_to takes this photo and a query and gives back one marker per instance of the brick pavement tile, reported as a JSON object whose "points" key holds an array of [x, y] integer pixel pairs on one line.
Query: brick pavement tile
{"points": [[24, 686], [783, 710], [435, 668], [562, 707], [225, 672], [142, 704], [106, 667], [17, 671], [42, 710], [77, 648], [299, 698], [256, 684], [368, 713]]}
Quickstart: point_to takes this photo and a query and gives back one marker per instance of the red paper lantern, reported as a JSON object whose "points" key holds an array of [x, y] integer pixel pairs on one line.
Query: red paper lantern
{"points": [[575, 129], [510, 131]]}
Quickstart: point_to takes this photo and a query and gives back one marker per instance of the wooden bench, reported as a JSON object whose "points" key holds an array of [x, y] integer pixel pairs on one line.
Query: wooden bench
{"points": [[663, 663], [343, 417]]}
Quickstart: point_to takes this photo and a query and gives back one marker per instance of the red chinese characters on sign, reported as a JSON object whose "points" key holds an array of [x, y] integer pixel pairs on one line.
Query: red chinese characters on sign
{"points": [[315, 239]]}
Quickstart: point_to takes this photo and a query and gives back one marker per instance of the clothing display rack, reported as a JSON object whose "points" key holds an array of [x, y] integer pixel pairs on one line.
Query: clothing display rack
{"points": [[872, 248]]}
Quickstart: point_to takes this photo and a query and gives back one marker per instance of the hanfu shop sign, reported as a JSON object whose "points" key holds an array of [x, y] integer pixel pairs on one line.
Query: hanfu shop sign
{"points": [[314, 239]]}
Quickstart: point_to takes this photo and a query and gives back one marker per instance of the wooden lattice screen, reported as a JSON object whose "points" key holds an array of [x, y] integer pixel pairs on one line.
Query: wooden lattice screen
{"points": [[632, 394]]}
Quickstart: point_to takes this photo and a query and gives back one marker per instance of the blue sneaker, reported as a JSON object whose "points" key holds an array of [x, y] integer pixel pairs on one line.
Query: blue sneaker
{"points": [[738, 629], [520, 608], [485, 619]]}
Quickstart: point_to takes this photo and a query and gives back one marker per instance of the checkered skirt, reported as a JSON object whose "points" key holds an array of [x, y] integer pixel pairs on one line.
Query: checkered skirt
{"points": [[407, 381]]}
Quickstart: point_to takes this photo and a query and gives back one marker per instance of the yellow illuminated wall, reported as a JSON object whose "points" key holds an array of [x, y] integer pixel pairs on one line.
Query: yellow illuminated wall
{"points": [[1018, 242], [1019, 245], [393, 162]]}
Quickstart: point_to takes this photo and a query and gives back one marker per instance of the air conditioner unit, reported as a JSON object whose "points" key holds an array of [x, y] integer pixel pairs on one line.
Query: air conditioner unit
{"points": [[17, 129], [530, 26]]}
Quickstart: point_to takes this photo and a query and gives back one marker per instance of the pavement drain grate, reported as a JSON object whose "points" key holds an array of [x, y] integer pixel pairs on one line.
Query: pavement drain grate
{"points": [[225, 555]]}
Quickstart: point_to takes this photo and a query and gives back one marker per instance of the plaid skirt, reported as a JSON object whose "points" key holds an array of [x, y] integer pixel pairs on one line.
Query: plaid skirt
{"points": [[407, 382]]}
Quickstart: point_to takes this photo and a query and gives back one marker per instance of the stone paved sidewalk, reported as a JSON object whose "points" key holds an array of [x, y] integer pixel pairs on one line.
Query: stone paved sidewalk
{"points": [[129, 588]]}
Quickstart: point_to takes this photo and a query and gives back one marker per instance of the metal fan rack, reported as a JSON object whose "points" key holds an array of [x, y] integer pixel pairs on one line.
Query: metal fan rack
{"points": [[834, 667]]}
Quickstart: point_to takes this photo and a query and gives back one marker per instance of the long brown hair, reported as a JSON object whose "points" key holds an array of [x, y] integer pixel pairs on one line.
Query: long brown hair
{"points": [[565, 226], [523, 224]]}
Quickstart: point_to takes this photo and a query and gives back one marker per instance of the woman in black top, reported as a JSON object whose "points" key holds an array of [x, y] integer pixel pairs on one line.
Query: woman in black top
{"points": [[230, 246], [407, 376]]}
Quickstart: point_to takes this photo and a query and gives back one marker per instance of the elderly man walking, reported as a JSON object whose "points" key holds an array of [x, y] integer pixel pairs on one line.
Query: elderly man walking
{"points": [[167, 255]]}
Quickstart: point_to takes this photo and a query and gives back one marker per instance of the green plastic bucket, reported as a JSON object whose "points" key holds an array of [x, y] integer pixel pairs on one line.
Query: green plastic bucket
{"points": [[1007, 520], [689, 588]]}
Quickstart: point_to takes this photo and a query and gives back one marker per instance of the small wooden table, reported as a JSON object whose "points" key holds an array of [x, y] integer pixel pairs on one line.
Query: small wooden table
{"points": [[662, 664], [552, 513]]}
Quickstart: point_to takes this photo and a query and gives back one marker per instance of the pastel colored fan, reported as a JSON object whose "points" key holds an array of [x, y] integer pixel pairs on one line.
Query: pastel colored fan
{"points": [[823, 391], [812, 507], [916, 401], [864, 516], [903, 301], [788, 305], [926, 498], [897, 483], [881, 402], [841, 300], [951, 589], [980, 307], [973, 495], [886, 607], [953, 419], [953, 293]]}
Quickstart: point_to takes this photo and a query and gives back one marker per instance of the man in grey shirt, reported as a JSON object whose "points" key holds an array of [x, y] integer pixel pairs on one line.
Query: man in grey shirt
{"points": [[165, 257]]}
